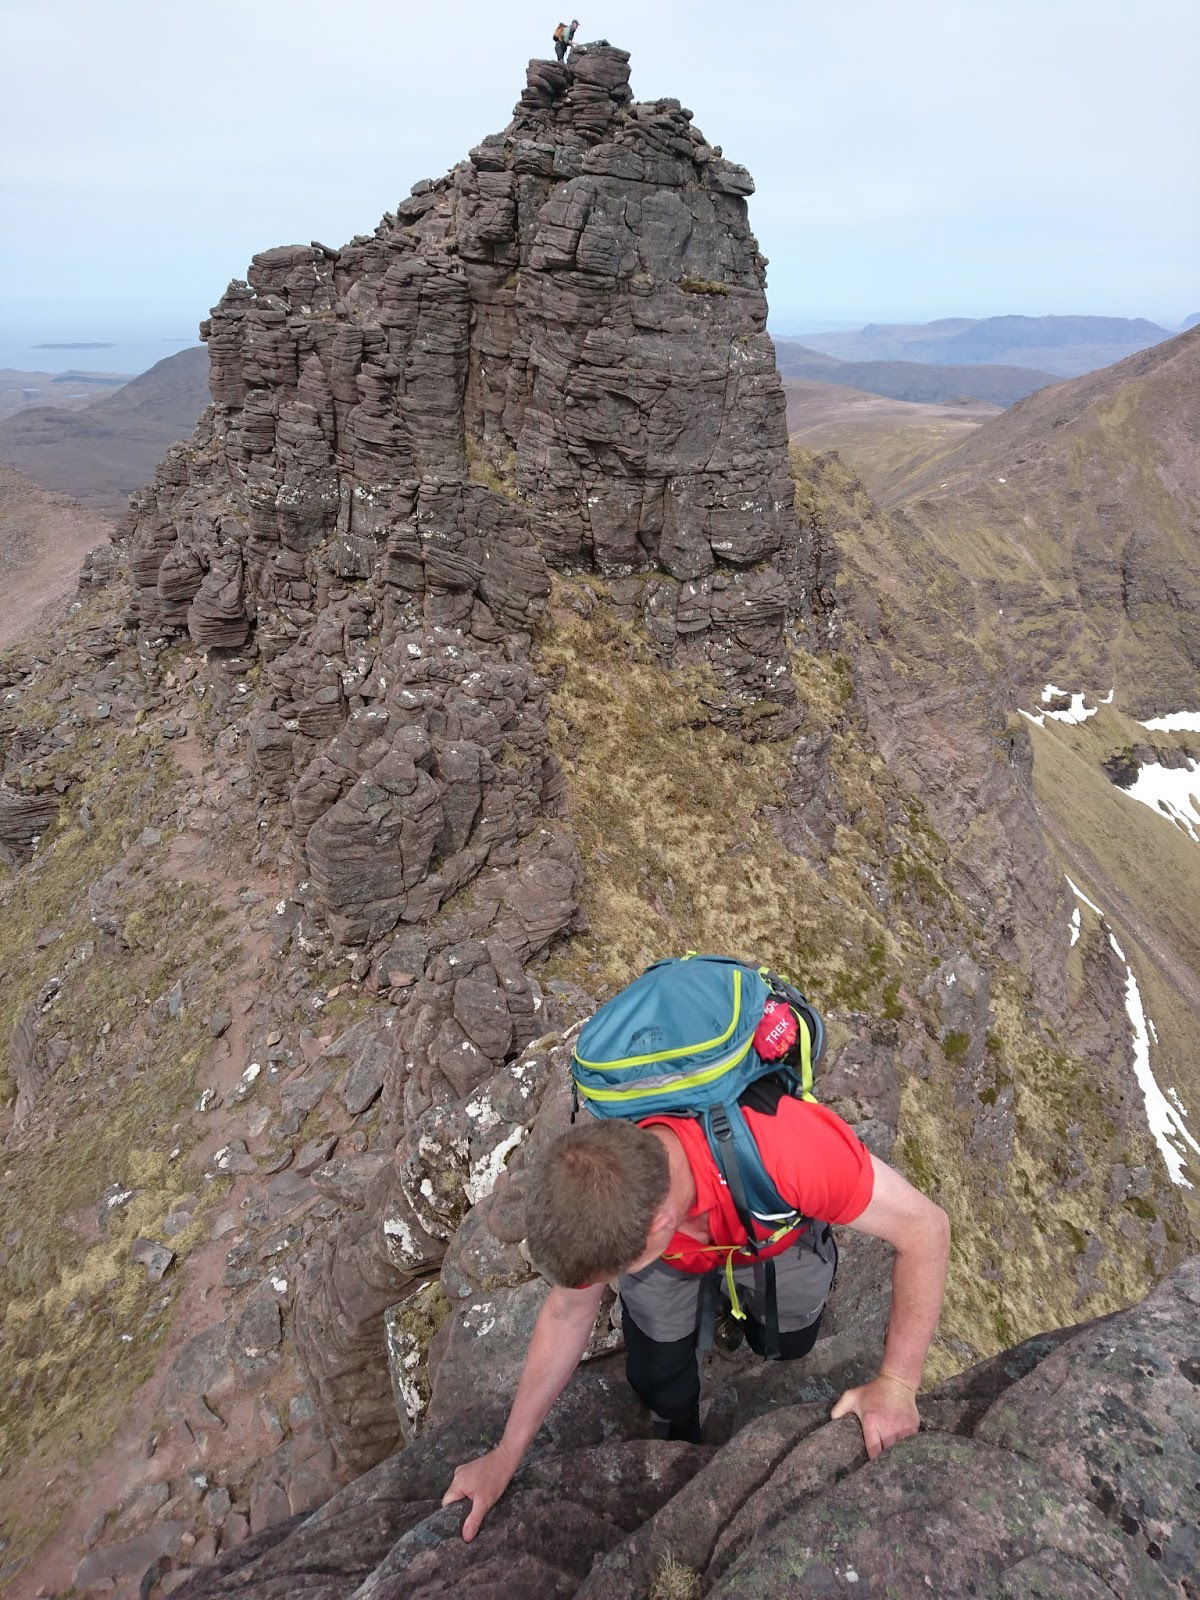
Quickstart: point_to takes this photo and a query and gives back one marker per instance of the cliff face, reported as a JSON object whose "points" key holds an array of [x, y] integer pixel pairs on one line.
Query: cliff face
{"points": [[553, 357], [1053, 1470], [480, 649]]}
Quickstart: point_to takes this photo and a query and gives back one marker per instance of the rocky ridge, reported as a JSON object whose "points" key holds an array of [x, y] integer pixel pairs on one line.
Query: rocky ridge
{"points": [[479, 608], [556, 356], [1054, 1469]]}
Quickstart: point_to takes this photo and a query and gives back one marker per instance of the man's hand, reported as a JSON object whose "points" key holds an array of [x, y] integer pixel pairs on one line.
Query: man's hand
{"points": [[482, 1482], [559, 1338], [886, 1409]]}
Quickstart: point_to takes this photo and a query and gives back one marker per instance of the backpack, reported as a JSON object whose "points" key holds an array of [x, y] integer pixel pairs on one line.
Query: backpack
{"points": [[693, 1037], [560, 33]]}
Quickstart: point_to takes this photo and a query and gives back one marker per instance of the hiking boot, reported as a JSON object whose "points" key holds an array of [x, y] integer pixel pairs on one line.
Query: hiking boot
{"points": [[728, 1332], [688, 1431]]}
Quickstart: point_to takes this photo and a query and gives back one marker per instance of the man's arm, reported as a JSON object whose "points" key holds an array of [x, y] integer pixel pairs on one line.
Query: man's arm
{"points": [[560, 1337], [919, 1232]]}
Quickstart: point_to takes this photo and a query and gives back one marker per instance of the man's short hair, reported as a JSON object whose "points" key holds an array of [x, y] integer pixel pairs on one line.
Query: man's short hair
{"points": [[591, 1199]]}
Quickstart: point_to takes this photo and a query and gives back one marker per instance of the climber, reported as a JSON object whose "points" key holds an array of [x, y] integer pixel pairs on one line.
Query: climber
{"points": [[564, 38], [645, 1203]]}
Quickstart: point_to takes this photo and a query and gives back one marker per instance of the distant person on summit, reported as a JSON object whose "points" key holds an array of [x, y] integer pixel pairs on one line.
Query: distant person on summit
{"points": [[708, 1170], [564, 38]]}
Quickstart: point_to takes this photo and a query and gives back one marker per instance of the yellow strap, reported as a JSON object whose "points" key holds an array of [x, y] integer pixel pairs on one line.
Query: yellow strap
{"points": [[806, 1077], [675, 1086], [735, 1305], [729, 1251]]}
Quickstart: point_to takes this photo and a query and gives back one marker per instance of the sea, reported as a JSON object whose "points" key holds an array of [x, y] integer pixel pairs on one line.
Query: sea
{"points": [[90, 349]]}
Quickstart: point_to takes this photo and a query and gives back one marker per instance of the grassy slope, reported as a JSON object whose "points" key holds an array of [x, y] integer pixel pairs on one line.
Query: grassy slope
{"points": [[673, 820], [1072, 516], [878, 437], [1146, 862], [113, 1108]]}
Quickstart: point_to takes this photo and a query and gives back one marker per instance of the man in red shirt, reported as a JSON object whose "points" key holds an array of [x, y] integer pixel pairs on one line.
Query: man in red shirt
{"points": [[646, 1204]]}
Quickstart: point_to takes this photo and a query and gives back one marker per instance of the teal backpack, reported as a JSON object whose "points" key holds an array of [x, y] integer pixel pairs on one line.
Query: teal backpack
{"points": [[680, 1041]]}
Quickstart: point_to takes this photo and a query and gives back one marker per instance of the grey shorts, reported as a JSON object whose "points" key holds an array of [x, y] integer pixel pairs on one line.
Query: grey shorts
{"points": [[665, 1302]]}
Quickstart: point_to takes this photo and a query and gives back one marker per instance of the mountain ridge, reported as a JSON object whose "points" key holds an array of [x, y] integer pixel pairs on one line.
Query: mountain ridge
{"points": [[921, 382], [1068, 345], [480, 643]]}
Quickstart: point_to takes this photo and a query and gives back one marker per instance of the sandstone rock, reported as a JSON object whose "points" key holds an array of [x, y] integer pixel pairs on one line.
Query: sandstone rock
{"points": [[409, 1329], [1034, 1537], [259, 1329], [1032, 1500], [1136, 1365], [235, 1158], [23, 820], [313, 1154], [156, 1258], [200, 1371], [364, 1080], [117, 1563]]}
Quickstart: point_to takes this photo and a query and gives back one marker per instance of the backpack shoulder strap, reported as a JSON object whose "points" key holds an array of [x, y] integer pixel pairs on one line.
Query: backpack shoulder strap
{"points": [[751, 1188]]}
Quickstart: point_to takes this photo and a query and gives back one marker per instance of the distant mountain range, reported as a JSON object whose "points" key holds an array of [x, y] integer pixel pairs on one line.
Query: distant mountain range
{"points": [[102, 452], [1064, 346], [918, 381]]}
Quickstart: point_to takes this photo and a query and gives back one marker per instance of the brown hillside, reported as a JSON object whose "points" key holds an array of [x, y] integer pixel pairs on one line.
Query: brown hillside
{"points": [[43, 540], [101, 453], [876, 435], [1074, 518]]}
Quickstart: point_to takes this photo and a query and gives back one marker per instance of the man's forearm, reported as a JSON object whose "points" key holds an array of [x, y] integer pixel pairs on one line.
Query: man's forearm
{"points": [[918, 1283], [555, 1350]]}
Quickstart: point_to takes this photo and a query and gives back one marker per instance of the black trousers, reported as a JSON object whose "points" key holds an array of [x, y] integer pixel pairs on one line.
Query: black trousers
{"points": [[666, 1375]]}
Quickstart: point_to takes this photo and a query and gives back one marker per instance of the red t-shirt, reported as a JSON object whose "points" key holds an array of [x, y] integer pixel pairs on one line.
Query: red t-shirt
{"points": [[818, 1164]]}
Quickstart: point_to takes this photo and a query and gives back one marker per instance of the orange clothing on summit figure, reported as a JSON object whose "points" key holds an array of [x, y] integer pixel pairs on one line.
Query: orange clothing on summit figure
{"points": [[564, 38]]}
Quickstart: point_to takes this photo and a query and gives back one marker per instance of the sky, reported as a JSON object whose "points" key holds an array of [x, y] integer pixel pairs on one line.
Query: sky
{"points": [[913, 158]]}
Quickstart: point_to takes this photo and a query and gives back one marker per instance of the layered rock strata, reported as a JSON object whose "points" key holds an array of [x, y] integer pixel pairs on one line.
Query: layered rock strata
{"points": [[553, 357], [1053, 1469]]}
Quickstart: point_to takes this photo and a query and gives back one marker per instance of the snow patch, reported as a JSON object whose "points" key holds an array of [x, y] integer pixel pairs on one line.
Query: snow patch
{"points": [[1165, 1115], [1079, 895], [1076, 713], [1164, 1112], [1076, 924], [1176, 722], [1174, 792]]}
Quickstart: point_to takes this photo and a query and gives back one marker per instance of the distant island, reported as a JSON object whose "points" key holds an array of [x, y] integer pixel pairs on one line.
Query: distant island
{"points": [[81, 344]]}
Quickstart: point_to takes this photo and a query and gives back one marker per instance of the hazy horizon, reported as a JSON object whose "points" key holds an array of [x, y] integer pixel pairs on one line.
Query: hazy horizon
{"points": [[1036, 156]]}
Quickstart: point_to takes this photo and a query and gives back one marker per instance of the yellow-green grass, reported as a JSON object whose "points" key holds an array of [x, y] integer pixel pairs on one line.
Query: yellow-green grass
{"points": [[672, 816], [119, 1079]]}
